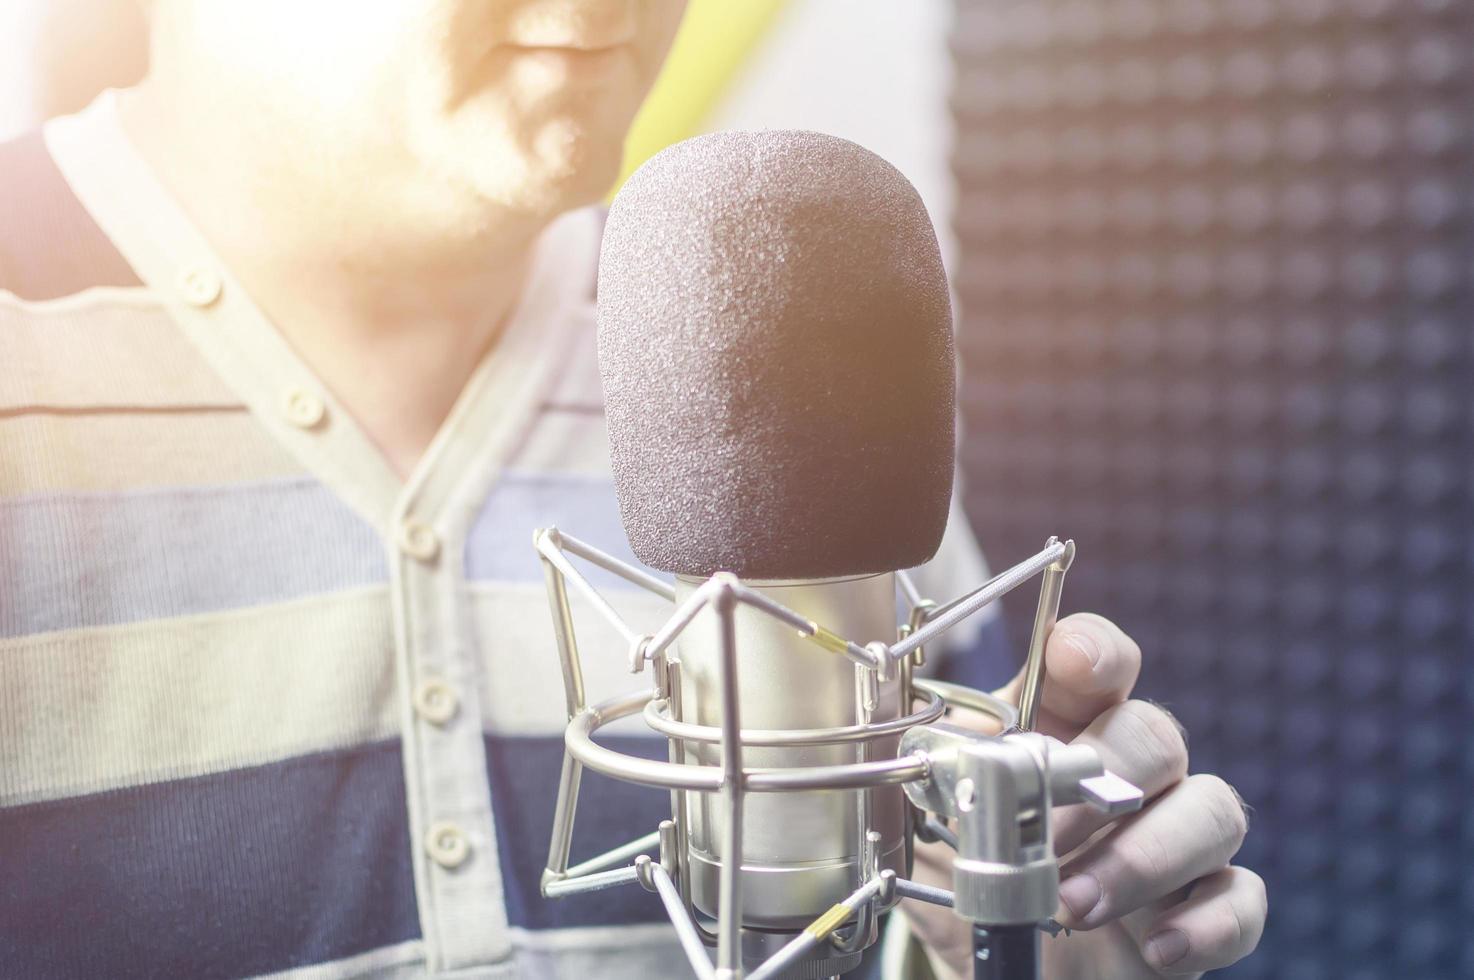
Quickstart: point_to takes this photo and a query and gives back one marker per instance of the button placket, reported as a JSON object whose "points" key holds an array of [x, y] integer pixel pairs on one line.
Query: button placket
{"points": [[447, 845], [303, 409], [446, 769], [436, 701], [418, 540], [199, 285]]}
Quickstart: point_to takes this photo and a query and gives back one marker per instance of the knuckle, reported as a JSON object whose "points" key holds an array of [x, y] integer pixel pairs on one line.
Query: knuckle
{"points": [[1176, 722], [1247, 905], [1224, 807], [1158, 737], [1258, 896], [1144, 857], [1239, 933]]}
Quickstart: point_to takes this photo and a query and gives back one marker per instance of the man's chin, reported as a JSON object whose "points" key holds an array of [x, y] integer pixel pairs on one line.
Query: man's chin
{"points": [[562, 166], [553, 184]]}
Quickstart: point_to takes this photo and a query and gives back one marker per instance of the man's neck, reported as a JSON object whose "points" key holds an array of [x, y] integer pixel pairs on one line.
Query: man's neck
{"points": [[393, 307]]}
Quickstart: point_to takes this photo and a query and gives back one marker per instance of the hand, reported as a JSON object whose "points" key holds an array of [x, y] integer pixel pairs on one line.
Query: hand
{"points": [[1149, 895]]}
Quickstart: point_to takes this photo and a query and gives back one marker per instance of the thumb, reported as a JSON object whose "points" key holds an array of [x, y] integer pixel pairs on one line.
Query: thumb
{"points": [[1089, 665]]}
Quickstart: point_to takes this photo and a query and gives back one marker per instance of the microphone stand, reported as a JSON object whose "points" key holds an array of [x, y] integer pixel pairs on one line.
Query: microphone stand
{"points": [[1001, 791], [1005, 952]]}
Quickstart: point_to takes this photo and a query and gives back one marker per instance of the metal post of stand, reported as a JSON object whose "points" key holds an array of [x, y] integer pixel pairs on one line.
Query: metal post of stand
{"points": [[1005, 878], [1005, 952]]}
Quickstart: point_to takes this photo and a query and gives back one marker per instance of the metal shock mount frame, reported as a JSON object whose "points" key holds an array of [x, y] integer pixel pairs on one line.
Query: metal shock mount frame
{"points": [[998, 789]]}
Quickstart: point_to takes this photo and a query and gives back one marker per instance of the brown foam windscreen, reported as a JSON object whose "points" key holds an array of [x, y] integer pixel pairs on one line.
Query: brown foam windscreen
{"points": [[775, 345]]}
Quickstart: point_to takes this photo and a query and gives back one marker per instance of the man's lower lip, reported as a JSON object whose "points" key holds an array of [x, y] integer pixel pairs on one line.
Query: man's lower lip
{"points": [[577, 61], [567, 49]]}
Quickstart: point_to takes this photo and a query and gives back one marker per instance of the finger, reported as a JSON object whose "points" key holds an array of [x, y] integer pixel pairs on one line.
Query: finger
{"points": [[1193, 830], [1138, 741], [1089, 665], [1219, 923]]}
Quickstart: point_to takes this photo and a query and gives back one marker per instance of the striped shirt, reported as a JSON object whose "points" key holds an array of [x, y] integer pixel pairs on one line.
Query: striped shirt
{"points": [[266, 709]]}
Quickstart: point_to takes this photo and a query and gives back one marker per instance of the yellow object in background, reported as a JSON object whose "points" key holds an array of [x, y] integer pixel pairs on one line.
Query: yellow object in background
{"points": [[714, 40]]}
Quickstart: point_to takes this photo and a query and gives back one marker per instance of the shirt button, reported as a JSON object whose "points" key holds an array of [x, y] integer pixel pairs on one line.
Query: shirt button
{"points": [[418, 540], [446, 845], [436, 702], [199, 286], [303, 409]]}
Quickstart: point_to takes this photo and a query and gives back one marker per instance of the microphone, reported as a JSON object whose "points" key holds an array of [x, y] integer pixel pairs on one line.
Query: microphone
{"points": [[775, 347], [776, 352]]}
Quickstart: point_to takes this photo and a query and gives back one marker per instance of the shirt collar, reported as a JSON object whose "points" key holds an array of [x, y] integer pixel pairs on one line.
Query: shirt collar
{"points": [[170, 255]]}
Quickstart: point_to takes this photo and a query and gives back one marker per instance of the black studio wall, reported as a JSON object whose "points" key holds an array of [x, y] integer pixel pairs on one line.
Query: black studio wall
{"points": [[1215, 288]]}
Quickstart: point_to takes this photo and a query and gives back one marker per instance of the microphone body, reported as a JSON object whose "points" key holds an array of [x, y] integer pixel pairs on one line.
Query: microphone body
{"points": [[801, 851]]}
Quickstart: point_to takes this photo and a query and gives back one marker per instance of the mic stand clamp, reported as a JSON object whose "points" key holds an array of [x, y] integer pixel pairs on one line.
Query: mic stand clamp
{"points": [[1000, 791]]}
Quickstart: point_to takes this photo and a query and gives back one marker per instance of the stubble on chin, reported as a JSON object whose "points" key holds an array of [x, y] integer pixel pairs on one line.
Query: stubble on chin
{"points": [[536, 153]]}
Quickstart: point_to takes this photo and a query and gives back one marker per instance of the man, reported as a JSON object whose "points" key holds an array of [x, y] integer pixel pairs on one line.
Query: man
{"points": [[297, 342]]}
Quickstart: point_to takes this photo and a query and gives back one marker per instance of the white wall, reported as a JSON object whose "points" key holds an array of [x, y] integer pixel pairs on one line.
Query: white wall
{"points": [[873, 71], [17, 30]]}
